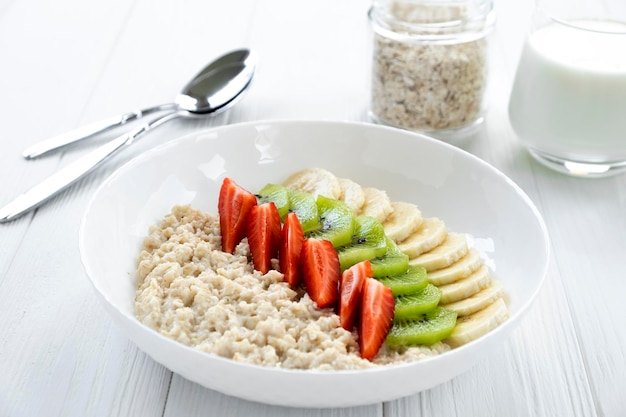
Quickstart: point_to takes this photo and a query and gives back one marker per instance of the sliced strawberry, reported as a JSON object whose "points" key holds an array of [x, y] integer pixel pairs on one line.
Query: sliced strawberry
{"points": [[263, 233], [377, 307], [292, 237], [350, 291], [320, 271], [233, 207]]}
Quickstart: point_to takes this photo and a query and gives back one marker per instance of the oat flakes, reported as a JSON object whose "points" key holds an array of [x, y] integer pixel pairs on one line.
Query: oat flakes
{"points": [[423, 83]]}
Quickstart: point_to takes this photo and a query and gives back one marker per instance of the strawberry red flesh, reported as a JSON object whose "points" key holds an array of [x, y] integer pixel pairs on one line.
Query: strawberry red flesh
{"points": [[263, 233], [233, 206], [320, 271], [377, 308], [350, 292], [292, 238]]}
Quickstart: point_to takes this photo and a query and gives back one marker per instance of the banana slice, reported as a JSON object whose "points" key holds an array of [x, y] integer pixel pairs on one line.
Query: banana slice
{"points": [[352, 194], [471, 327], [430, 235], [316, 181], [478, 301], [377, 204], [405, 219], [458, 270], [466, 287], [451, 250]]}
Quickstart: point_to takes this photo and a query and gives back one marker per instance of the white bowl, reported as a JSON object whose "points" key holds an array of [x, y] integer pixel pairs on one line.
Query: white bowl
{"points": [[467, 193]]}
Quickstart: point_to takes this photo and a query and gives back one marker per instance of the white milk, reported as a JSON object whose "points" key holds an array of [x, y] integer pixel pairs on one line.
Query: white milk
{"points": [[569, 95]]}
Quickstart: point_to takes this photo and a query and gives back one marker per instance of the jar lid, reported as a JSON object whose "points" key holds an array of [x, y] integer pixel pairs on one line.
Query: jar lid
{"points": [[435, 20]]}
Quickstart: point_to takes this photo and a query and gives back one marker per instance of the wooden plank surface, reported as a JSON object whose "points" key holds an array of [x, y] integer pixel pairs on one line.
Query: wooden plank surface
{"points": [[60, 353]]}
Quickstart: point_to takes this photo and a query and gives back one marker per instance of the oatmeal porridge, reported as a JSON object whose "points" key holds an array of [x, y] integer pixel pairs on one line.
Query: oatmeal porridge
{"points": [[191, 291]]}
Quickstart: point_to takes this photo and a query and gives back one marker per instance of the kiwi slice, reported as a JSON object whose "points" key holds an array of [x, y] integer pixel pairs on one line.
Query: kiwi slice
{"points": [[368, 242], [305, 207], [393, 262], [428, 329], [277, 194], [335, 222], [291, 200], [413, 280], [412, 306]]}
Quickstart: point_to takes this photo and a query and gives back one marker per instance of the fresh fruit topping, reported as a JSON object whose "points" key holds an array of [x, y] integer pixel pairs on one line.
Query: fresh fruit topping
{"points": [[466, 287], [233, 206], [458, 270], [413, 305], [291, 200], [303, 204], [413, 280], [263, 235], [352, 194], [316, 181], [320, 271], [377, 204], [430, 328], [479, 301], [350, 291], [430, 234], [478, 324], [376, 318], [368, 242], [336, 221], [292, 238], [405, 220], [277, 194], [444, 293], [451, 250], [439, 284], [394, 261]]}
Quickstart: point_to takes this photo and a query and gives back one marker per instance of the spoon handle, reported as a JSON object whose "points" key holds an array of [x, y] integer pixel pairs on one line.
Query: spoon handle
{"points": [[74, 171], [89, 130]]}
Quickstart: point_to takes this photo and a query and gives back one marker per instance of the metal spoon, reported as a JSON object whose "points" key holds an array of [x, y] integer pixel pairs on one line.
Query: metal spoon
{"points": [[215, 90], [190, 90]]}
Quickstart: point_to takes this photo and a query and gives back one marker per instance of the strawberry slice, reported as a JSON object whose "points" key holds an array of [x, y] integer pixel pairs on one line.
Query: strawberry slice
{"points": [[233, 207], [320, 271], [350, 290], [377, 308], [263, 233], [292, 237]]}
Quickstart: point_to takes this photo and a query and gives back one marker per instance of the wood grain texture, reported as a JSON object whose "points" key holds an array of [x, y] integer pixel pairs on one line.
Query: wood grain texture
{"points": [[189, 399], [60, 353]]}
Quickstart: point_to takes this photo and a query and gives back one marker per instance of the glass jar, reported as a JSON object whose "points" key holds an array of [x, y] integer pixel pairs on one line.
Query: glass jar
{"points": [[429, 69]]}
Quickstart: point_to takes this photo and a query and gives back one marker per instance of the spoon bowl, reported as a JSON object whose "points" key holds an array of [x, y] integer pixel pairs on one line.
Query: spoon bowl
{"points": [[216, 90]]}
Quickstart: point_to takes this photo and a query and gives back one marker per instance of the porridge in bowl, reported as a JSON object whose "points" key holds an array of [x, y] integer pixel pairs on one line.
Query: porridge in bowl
{"points": [[192, 291]]}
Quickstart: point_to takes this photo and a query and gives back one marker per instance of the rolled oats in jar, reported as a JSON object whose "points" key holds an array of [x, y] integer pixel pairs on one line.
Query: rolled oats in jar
{"points": [[429, 70]]}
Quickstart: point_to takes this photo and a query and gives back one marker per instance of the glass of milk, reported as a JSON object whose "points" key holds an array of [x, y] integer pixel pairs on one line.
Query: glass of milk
{"points": [[568, 102]]}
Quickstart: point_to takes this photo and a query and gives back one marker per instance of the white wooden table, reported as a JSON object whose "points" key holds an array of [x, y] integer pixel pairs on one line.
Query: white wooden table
{"points": [[68, 62]]}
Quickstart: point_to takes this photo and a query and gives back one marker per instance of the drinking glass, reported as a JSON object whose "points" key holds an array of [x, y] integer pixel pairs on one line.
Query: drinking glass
{"points": [[568, 102]]}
